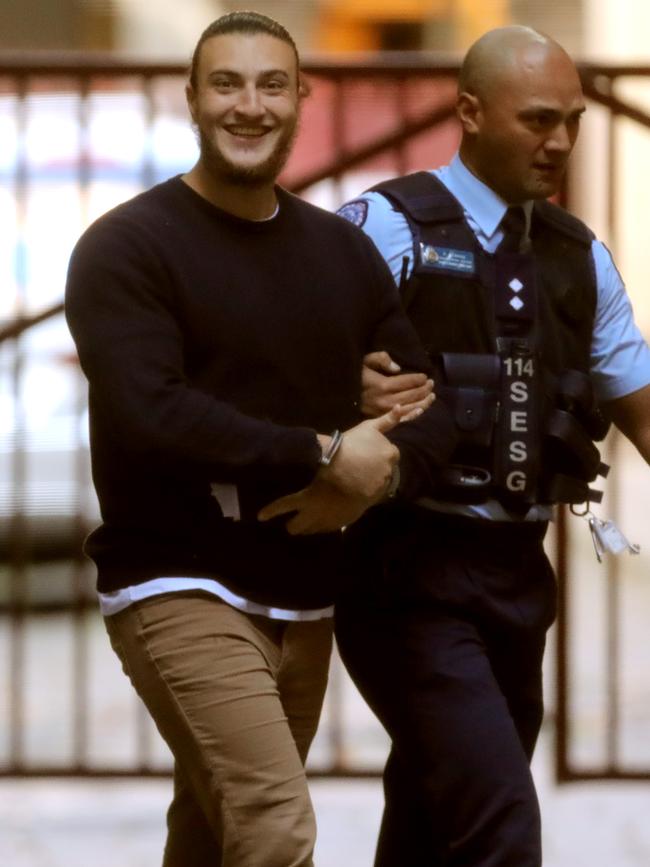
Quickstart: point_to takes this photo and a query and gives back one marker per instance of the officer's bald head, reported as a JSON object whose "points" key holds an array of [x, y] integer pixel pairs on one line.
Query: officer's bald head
{"points": [[501, 53]]}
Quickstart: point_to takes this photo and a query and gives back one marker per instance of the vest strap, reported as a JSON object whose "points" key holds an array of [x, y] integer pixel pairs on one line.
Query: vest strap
{"points": [[421, 196], [569, 437], [574, 392]]}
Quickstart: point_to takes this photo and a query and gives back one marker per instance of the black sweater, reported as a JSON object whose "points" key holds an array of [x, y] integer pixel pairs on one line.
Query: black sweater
{"points": [[215, 348]]}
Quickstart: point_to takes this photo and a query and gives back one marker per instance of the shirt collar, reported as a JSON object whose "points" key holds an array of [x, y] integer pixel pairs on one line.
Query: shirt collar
{"points": [[479, 201]]}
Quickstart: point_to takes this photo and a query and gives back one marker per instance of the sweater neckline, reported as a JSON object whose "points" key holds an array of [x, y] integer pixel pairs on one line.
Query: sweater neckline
{"points": [[216, 212]]}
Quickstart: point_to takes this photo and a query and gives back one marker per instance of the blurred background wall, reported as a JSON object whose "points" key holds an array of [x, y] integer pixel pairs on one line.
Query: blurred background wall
{"points": [[593, 30], [167, 28]]}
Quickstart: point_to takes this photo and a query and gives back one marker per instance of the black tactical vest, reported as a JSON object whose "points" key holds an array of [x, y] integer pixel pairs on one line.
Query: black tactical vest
{"points": [[518, 387]]}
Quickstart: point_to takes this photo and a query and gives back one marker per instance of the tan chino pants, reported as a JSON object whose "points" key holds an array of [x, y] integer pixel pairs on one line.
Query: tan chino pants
{"points": [[237, 698]]}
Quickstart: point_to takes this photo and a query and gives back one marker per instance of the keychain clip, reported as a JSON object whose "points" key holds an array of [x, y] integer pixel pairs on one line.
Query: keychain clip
{"points": [[605, 535]]}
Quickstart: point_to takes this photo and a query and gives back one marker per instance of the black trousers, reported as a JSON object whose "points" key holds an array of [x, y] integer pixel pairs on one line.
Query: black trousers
{"points": [[443, 632]]}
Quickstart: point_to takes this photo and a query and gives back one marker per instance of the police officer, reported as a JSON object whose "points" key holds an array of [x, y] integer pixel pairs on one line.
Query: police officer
{"points": [[527, 321]]}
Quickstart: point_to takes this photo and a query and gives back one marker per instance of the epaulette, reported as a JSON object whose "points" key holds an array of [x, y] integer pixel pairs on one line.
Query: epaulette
{"points": [[422, 196]]}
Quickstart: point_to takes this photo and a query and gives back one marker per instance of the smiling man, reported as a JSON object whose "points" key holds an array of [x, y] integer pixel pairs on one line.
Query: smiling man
{"points": [[532, 338], [222, 323], [243, 96]]}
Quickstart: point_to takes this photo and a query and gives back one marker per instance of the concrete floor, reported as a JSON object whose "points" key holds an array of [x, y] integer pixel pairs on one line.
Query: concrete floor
{"points": [[49, 823]]}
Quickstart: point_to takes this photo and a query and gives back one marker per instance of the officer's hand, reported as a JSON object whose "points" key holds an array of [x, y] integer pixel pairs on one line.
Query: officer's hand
{"points": [[383, 386], [357, 478]]}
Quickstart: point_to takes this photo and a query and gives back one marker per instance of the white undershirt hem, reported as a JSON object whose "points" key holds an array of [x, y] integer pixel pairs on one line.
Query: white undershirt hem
{"points": [[118, 600]]}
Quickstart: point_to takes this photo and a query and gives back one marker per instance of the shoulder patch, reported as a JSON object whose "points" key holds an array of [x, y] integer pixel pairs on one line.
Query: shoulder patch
{"points": [[354, 212]]}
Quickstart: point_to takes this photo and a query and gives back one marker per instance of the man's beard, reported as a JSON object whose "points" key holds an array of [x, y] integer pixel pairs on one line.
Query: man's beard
{"points": [[247, 176]]}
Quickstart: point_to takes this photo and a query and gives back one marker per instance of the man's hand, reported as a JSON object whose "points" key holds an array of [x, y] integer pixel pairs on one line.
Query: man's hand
{"points": [[320, 508], [357, 478], [383, 386], [364, 462]]}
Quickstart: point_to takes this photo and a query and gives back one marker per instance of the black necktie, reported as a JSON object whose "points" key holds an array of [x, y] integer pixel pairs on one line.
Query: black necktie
{"points": [[514, 227]]}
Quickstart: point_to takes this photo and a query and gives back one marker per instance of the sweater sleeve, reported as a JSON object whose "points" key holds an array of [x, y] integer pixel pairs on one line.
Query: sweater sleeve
{"points": [[426, 443], [121, 312]]}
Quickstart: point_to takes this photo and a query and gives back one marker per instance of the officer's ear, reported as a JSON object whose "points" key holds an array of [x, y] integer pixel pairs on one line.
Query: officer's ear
{"points": [[468, 109]]}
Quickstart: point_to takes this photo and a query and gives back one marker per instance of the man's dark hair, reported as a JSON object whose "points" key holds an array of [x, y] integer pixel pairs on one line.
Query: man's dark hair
{"points": [[241, 22]]}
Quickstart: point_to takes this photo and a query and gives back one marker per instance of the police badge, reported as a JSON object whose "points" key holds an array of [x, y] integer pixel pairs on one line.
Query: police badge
{"points": [[354, 212]]}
